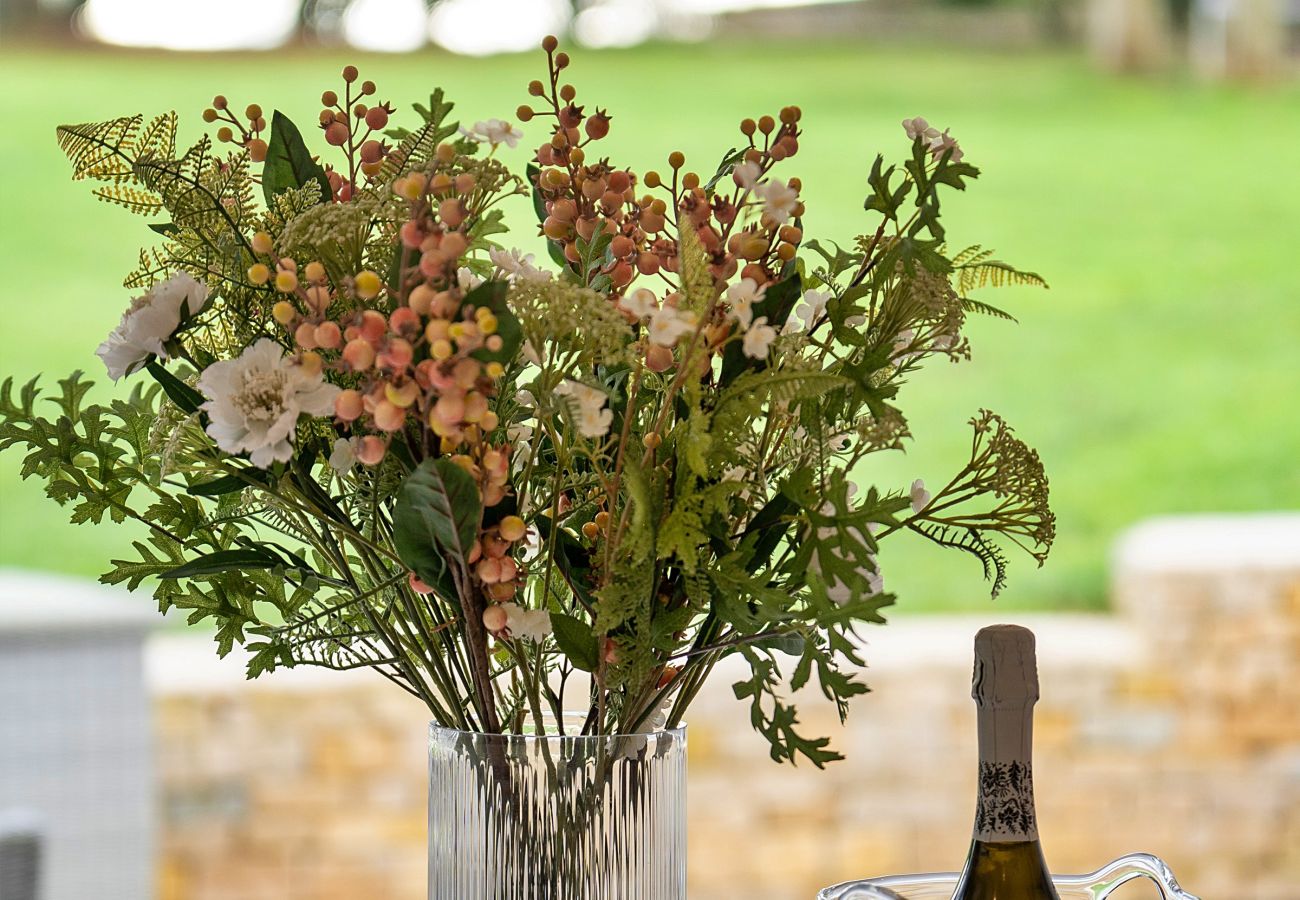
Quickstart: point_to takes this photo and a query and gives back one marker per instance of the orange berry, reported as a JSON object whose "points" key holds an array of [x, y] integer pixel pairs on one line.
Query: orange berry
{"points": [[286, 282], [590, 530], [350, 74], [512, 528], [372, 450], [367, 285], [259, 273], [494, 618], [257, 150], [283, 312], [349, 405]]}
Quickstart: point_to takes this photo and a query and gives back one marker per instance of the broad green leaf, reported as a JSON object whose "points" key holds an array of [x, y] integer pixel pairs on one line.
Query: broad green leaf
{"points": [[577, 642], [436, 517], [289, 164]]}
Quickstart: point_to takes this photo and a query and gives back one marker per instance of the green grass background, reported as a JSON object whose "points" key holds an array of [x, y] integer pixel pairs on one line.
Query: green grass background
{"points": [[1160, 374]]}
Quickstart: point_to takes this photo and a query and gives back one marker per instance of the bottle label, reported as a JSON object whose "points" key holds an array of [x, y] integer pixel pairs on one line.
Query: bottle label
{"points": [[1005, 809]]}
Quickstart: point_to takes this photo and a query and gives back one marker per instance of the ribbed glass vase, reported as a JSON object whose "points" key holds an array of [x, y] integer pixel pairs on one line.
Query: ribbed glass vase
{"points": [[557, 816]]}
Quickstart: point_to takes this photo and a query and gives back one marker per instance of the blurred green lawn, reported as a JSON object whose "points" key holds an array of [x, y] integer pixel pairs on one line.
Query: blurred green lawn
{"points": [[1158, 375]]}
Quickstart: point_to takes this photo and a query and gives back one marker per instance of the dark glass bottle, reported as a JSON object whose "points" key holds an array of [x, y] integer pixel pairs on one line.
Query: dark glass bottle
{"points": [[1006, 859]]}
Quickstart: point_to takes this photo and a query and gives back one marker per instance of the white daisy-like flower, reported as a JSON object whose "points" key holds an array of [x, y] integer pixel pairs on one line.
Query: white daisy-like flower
{"points": [[747, 174], [920, 496], [517, 264], [641, 303], [344, 455], [779, 200], [588, 403], [149, 322], [254, 402], [741, 297], [534, 624], [668, 325], [758, 339], [493, 131]]}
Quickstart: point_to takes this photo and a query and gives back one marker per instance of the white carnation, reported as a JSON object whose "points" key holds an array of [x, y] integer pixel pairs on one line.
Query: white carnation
{"points": [[254, 402], [149, 323]]}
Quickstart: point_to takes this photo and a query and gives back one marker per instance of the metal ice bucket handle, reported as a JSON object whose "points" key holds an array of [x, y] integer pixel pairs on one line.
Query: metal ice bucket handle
{"points": [[1095, 886]]}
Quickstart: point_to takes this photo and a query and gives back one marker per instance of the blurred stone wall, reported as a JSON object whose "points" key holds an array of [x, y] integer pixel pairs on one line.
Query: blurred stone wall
{"points": [[1172, 726]]}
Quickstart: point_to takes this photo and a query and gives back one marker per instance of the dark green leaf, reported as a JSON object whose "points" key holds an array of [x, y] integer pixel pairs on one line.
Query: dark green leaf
{"points": [[164, 228], [289, 164], [226, 484], [180, 393], [225, 561]]}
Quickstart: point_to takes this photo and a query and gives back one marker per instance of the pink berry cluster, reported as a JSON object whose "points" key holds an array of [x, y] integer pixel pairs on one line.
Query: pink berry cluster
{"points": [[586, 197], [351, 125]]}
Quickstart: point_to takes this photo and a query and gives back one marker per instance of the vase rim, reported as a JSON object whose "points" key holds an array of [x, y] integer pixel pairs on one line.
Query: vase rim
{"points": [[569, 716]]}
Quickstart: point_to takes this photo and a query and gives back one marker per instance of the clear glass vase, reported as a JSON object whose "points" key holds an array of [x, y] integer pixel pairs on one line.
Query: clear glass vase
{"points": [[1094, 886], [557, 815]]}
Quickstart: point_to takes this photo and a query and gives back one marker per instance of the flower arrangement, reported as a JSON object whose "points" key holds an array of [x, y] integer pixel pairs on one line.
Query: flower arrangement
{"points": [[364, 433]]}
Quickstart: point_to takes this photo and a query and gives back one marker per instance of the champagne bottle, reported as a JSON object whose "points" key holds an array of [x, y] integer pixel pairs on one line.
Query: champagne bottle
{"points": [[1006, 860]]}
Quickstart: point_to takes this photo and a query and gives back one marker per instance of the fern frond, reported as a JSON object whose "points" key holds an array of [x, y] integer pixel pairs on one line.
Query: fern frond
{"points": [[993, 273], [970, 256], [971, 541], [987, 309], [96, 146], [134, 199], [151, 269]]}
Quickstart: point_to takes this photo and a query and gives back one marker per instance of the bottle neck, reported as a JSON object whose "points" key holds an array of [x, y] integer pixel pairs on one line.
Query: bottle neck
{"points": [[1004, 812]]}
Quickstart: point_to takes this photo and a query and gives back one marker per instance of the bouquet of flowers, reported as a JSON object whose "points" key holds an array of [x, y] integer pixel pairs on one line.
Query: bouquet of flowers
{"points": [[364, 433]]}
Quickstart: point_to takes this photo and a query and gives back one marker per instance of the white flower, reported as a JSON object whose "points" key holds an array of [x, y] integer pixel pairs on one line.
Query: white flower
{"points": [[149, 322], [593, 419], [747, 174], [534, 624], [811, 307], [493, 131], [524, 397], [758, 339], [941, 143], [517, 264], [521, 436], [741, 297], [529, 352], [344, 456], [254, 401], [641, 303], [839, 442], [669, 324], [918, 127], [920, 496], [466, 279], [779, 200]]}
